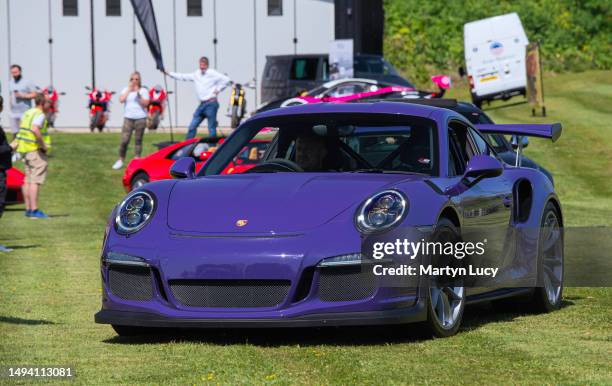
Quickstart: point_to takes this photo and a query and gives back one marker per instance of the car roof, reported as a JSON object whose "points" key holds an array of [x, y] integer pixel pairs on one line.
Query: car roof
{"points": [[285, 56], [336, 82], [373, 108], [460, 107]]}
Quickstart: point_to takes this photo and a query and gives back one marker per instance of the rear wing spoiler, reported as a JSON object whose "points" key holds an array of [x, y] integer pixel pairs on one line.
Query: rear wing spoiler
{"points": [[551, 131]]}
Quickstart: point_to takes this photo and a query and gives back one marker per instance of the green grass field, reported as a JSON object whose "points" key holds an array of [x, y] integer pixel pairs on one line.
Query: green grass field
{"points": [[51, 287]]}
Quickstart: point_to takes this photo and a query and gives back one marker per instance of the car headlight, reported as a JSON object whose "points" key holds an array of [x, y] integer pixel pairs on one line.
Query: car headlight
{"points": [[381, 211], [134, 212]]}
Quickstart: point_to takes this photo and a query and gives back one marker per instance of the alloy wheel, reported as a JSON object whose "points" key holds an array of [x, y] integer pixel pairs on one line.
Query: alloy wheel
{"points": [[447, 303], [552, 257]]}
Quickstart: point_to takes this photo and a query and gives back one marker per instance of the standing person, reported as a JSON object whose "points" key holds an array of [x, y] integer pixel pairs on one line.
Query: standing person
{"points": [[5, 164], [208, 84], [135, 99], [34, 143], [22, 92]]}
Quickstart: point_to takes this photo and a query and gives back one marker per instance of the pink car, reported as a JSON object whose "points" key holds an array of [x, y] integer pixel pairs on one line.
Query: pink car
{"points": [[353, 89]]}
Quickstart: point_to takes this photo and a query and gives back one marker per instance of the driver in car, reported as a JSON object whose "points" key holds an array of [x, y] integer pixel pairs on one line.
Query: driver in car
{"points": [[310, 153]]}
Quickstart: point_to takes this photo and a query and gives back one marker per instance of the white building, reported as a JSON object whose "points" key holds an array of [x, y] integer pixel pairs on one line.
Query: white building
{"points": [[51, 40]]}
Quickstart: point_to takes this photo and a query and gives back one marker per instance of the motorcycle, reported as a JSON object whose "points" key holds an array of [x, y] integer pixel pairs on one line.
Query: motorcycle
{"points": [[99, 101], [157, 105], [237, 106], [52, 96]]}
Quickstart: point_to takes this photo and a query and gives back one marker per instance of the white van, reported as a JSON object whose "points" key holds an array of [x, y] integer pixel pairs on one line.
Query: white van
{"points": [[495, 57]]}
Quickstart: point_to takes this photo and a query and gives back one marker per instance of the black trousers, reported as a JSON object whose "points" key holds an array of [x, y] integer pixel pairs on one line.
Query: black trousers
{"points": [[2, 190]]}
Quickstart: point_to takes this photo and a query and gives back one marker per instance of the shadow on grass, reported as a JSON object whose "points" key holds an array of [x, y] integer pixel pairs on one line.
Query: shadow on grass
{"points": [[491, 108], [474, 317], [477, 315], [13, 209], [59, 215], [15, 247], [274, 337], [29, 322]]}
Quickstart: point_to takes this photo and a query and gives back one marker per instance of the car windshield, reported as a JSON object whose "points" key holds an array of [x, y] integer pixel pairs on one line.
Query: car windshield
{"points": [[252, 153], [356, 143]]}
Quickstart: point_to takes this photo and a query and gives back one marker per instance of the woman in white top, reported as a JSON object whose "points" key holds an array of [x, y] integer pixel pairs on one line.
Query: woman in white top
{"points": [[135, 99]]}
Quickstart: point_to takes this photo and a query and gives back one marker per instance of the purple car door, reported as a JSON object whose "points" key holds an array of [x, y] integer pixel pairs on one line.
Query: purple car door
{"points": [[486, 207]]}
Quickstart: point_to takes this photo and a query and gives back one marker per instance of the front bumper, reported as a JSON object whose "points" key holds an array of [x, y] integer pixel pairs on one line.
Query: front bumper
{"points": [[416, 313], [196, 281]]}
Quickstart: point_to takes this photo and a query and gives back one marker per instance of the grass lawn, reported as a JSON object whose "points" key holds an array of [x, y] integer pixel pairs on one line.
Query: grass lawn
{"points": [[51, 286]]}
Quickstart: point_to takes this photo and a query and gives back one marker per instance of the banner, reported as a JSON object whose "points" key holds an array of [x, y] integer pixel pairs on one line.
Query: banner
{"points": [[535, 85], [341, 59], [146, 17]]}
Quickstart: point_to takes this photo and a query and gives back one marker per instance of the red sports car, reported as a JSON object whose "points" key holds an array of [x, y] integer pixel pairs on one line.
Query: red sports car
{"points": [[156, 166], [14, 182]]}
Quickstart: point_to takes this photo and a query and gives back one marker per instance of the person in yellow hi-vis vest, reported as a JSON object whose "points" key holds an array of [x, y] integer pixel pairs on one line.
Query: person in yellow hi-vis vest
{"points": [[34, 143]]}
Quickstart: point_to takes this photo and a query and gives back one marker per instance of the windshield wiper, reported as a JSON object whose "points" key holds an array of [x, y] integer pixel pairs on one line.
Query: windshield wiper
{"points": [[383, 171], [368, 170]]}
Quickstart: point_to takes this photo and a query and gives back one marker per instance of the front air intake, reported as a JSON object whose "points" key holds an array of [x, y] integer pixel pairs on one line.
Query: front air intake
{"points": [[230, 293], [345, 283], [130, 283]]}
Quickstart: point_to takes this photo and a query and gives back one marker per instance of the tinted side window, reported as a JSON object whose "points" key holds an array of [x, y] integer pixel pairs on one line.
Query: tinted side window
{"points": [[347, 89], [456, 158], [481, 144], [304, 69], [185, 151], [460, 131], [499, 143]]}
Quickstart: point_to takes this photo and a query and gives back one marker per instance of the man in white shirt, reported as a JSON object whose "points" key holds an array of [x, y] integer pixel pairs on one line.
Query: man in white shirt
{"points": [[22, 92], [208, 84]]}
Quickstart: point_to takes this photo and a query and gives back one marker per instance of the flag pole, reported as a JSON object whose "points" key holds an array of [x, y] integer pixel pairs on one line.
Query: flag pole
{"points": [[168, 106]]}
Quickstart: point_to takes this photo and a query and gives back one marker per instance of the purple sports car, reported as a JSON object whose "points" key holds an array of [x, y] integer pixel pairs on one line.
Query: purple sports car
{"points": [[296, 240]]}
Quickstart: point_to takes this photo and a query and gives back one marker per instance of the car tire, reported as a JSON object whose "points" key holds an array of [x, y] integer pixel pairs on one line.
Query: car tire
{"points": [[548, 293], [139, 179], [444, 319], [127, 331]]}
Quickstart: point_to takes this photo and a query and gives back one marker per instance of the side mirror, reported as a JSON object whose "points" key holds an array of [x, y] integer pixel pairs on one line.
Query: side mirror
{"points": [[482, 166], [183, 168], [516, 139], [205, 155], [461, 71], [478, 167]]}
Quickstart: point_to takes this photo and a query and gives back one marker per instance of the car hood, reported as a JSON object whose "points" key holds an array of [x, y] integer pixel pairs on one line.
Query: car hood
{"points": [[270, 203]]}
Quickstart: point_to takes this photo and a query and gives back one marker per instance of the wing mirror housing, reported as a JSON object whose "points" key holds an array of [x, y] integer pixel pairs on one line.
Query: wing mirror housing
{"points": [[479, 167], [184, 168], [482, 166]]}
